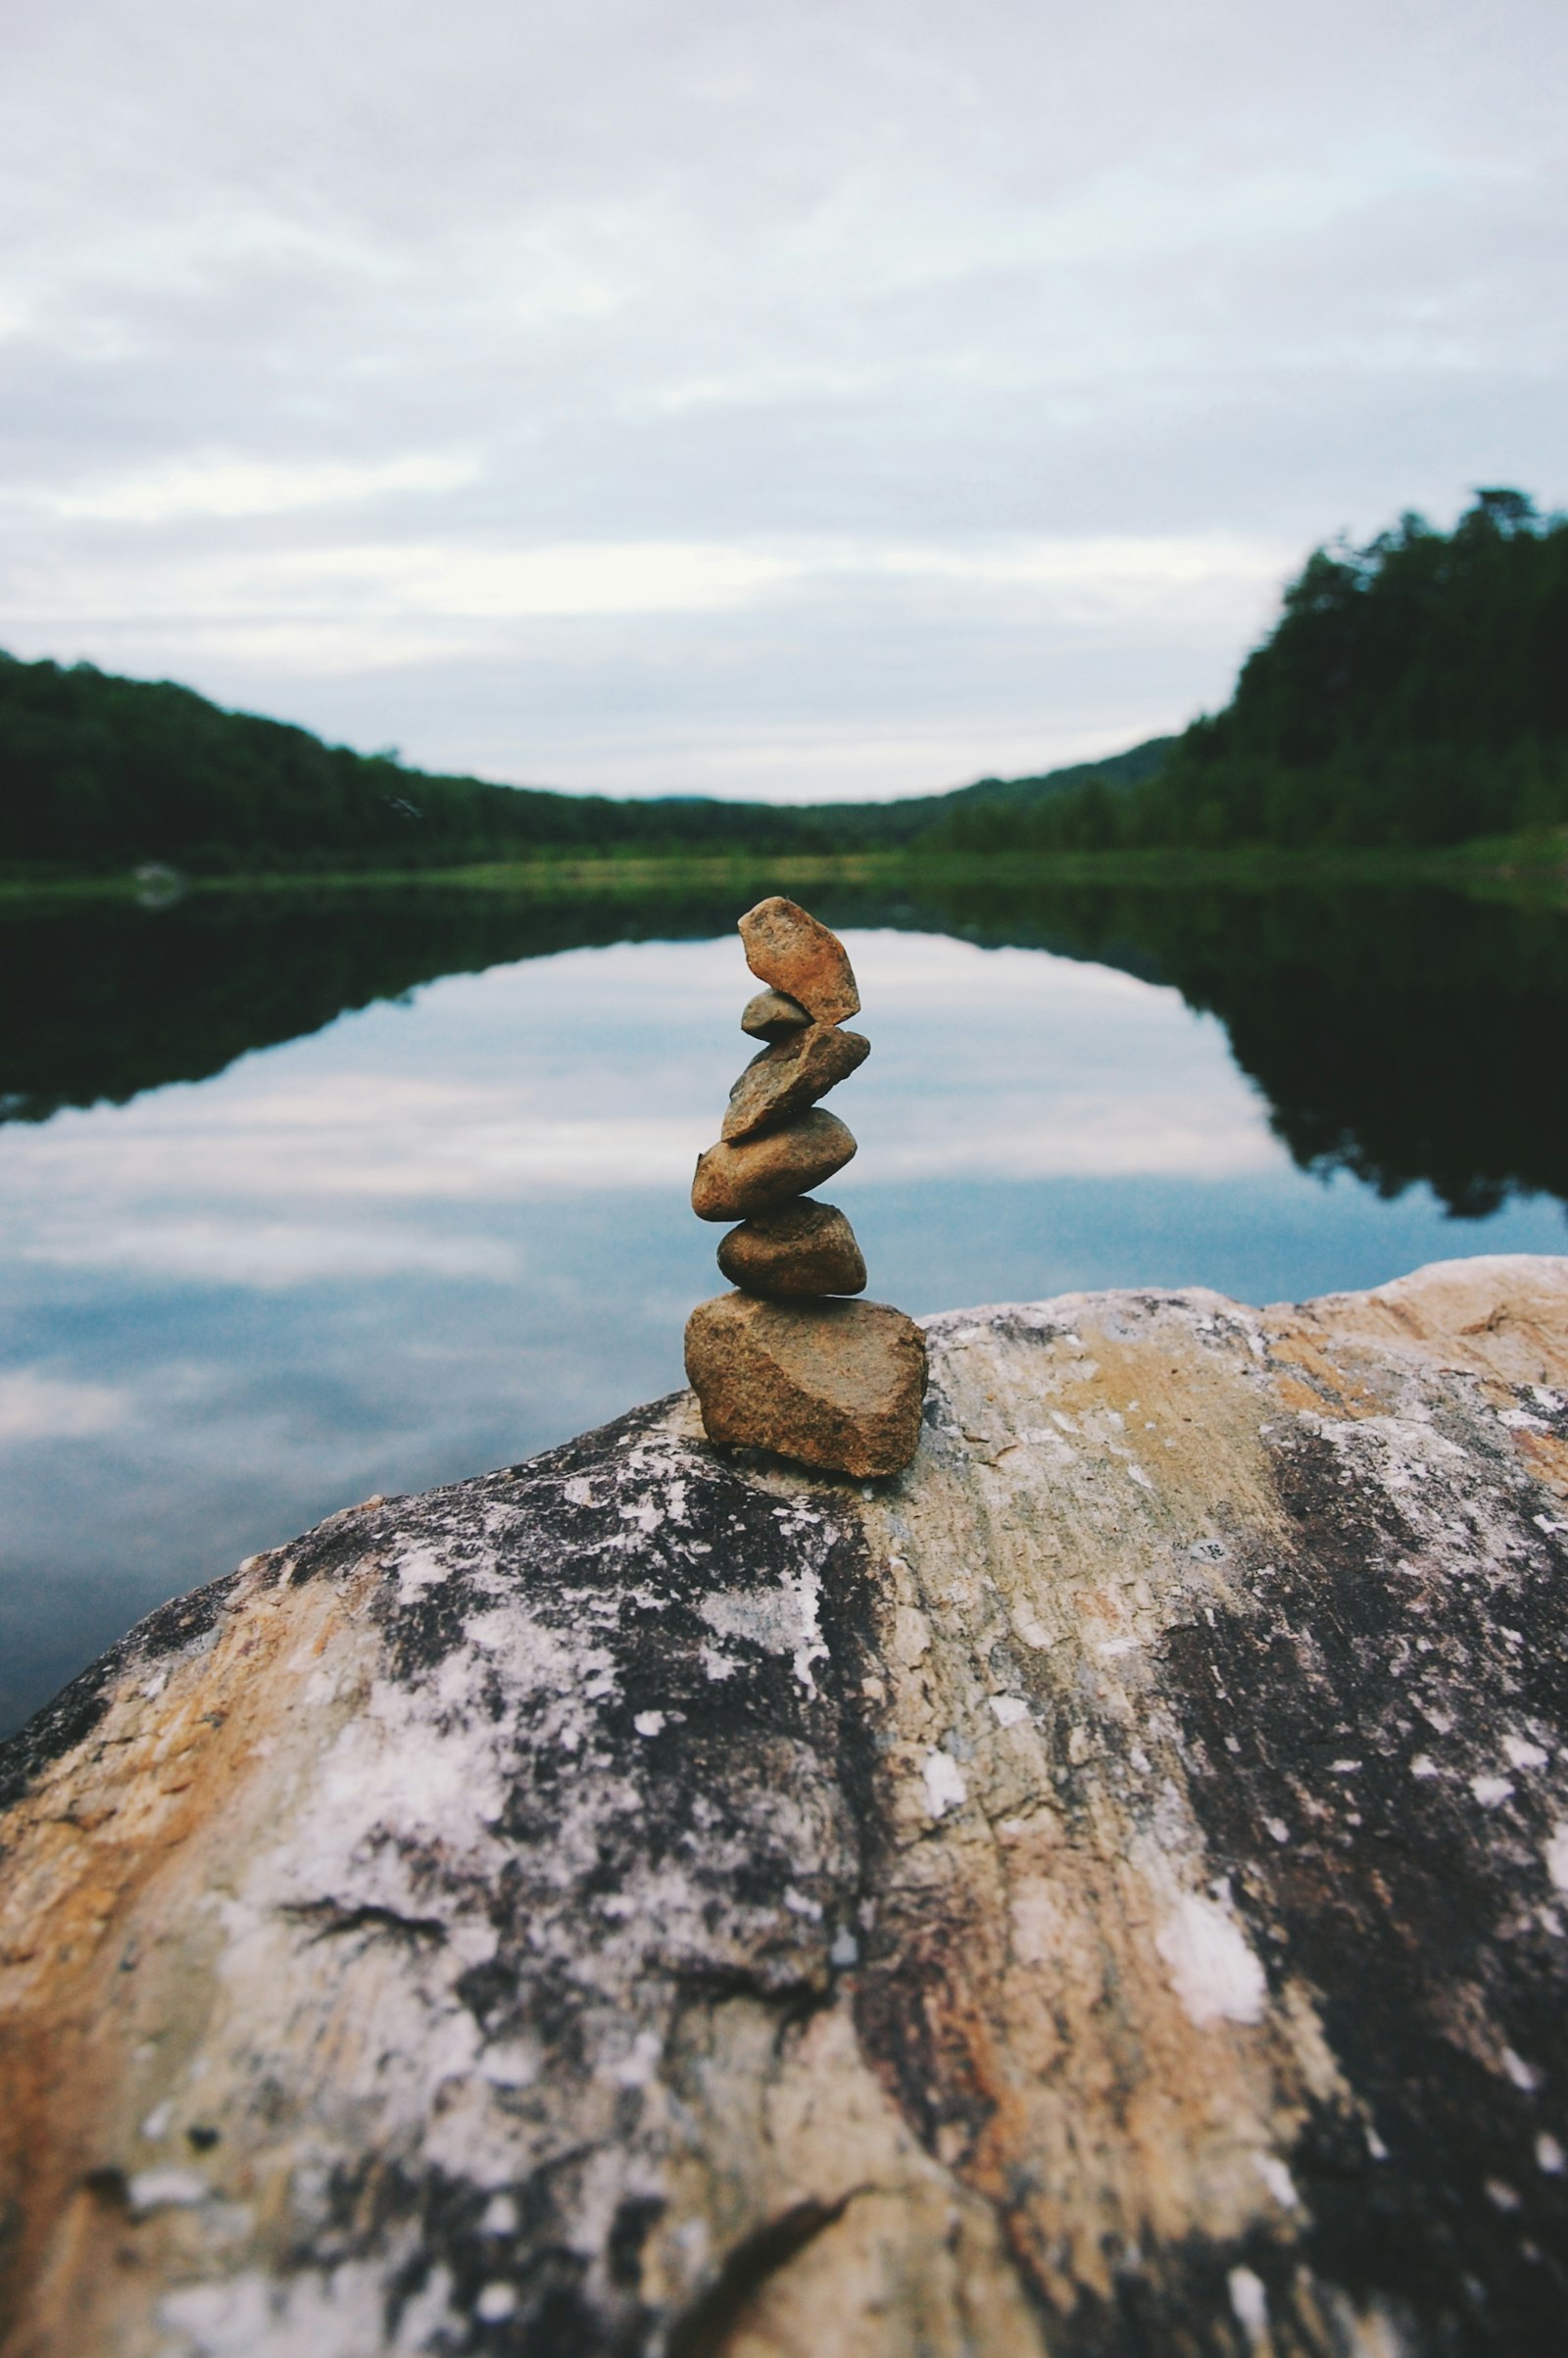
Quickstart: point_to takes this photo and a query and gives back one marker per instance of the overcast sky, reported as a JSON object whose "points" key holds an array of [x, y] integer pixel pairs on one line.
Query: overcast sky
{"points": [[801, 400]]}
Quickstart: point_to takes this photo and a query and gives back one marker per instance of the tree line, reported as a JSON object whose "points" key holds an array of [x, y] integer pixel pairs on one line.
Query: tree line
{"points": [[1353, 1011], [102, 772], [1414, 692]]}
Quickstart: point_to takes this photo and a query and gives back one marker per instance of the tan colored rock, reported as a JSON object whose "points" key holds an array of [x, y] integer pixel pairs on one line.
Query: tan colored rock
{"points": [[734, 1181], [800, 1248], [790, 950], [833, 1384], [790, 1076], [772, 1015], [1104, 1892]]}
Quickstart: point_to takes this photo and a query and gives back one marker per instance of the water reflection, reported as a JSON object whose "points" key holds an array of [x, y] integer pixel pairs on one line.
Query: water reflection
{"points": [[1402, 1036], [434, 1234]]}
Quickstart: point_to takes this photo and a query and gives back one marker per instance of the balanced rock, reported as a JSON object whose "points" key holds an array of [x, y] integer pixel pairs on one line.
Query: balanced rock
{"points": [[834, 1383], [783, 1364], [790, 1076], [800, 1248], [734, 1181], [789, 949], [772, 1015]]}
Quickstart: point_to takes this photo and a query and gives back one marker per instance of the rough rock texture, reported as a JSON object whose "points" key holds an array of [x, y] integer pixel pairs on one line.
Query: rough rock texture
{"points": [[772, 1015], [790, 1076], [1103, 1892], [833, 1384], [792, 951], [756, 1173], [800, 1248]]}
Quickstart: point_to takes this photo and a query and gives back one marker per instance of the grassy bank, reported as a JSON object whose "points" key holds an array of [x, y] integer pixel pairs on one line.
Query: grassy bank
{"points": [[611, 874], [1536, 866]]}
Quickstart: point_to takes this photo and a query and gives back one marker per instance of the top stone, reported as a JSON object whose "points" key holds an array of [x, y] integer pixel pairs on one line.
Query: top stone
{"points": [[791, 951]]}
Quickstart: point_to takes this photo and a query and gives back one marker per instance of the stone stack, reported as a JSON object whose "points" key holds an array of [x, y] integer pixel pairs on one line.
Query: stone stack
{"points": [[786, 1363]]}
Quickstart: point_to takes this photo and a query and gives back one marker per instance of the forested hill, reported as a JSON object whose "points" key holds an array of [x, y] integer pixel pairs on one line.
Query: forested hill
{"points": [[1414, 692], [104, 773]]}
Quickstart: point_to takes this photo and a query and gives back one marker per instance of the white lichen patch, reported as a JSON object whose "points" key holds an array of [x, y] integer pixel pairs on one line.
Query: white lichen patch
{"points": [[805, 1591], [164, 2190], [944, 1784], [1211, 1967], [1250, 2301], [418, 1568], [1276, 2176], [1557, 1856], [1523, 2075]]}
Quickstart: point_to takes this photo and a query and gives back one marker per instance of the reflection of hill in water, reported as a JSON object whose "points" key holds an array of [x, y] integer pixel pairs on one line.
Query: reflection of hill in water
{"points": [[111, 1000], [1400, 1035]]}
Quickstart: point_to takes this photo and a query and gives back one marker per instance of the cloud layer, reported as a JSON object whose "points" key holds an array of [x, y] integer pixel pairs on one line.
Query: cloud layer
{"points": [[819, 400]]}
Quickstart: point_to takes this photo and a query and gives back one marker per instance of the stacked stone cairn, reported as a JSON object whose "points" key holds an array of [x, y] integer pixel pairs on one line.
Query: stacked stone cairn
{"points": [[787, 1362]]}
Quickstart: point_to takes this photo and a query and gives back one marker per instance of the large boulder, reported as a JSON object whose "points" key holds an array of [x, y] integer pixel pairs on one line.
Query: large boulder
{"points": [[1104, 1890]]}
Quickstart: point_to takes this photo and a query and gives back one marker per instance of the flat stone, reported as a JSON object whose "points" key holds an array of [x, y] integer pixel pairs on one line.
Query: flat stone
{"points": [[833, 1384], [756, 1173], [789, 949], [772, 1015], [790, 1076], [800, 1248]]}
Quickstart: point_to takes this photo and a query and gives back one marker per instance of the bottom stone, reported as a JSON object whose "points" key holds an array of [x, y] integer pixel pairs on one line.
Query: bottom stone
{"points": [[834, 1383]]}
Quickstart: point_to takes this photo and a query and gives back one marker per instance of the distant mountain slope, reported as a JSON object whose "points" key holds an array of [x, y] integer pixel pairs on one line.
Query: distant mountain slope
{"points": [[1116, 772], [917, 816], [99, 772], [102, 772]]}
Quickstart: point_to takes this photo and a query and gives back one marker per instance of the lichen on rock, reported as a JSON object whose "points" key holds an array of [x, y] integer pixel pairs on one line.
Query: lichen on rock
{"points": [[1103, 1888]]}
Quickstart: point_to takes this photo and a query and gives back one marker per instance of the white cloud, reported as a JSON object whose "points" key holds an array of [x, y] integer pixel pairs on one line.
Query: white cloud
{"points": [[489, 585], [1086, 577], [815, 401], [265, 1254], [35, 1406], [234, 487]]}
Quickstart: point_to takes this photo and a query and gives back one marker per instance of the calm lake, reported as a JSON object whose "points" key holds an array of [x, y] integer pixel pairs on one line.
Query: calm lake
{"points": [[313, 1196]]}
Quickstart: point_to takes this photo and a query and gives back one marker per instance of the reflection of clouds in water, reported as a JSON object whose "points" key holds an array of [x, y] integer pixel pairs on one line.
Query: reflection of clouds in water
{"points": [[34, 1407], [602, 1071], [357, 1137], [439, 1236], [274, 1252], [1090, 1136]]}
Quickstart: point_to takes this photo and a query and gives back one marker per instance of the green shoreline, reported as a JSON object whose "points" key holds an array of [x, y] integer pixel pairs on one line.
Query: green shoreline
{"points": [[1533, 867]]}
